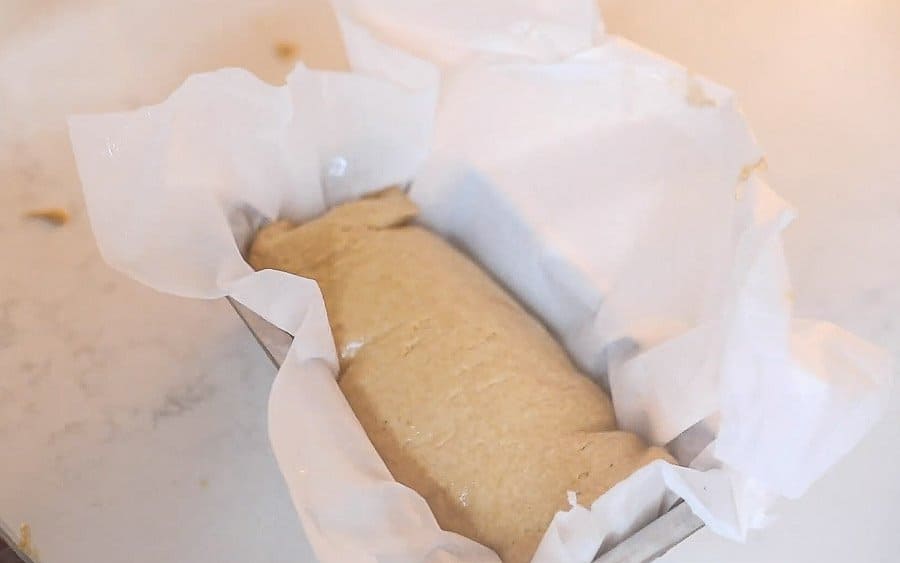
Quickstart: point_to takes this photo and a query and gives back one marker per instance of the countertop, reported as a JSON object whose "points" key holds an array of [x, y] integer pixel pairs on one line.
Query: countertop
{"points": [[132, 424]]}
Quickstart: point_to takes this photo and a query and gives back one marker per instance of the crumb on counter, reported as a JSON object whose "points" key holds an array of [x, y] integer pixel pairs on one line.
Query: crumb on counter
{"points": [[55, 215], [204, 483], [25, 543], [286, 51]]}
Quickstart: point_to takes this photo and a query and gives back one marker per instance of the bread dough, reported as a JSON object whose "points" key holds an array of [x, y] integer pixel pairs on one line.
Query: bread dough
{"points": [[466, 396]]}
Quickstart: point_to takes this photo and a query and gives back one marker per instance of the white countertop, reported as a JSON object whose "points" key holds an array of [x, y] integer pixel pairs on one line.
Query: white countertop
{"points": [[132, 424]]}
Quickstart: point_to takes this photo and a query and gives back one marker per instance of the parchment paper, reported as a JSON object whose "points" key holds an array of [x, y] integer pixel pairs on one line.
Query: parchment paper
{"points": [[615, 193]]}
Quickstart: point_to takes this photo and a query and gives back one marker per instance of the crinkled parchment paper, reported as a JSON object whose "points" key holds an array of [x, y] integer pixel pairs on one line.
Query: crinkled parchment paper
{"points": [[615, 193]]}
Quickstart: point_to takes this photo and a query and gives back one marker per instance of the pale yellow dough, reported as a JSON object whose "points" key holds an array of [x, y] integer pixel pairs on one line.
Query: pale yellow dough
{"points": [[466, 396]]}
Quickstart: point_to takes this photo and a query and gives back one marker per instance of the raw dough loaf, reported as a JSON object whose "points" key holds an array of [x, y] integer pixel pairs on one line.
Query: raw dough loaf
{"points": [[466, 396]]}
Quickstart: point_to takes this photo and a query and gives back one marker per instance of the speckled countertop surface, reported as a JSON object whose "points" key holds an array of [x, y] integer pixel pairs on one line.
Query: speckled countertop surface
{"points": [[132, 424]]}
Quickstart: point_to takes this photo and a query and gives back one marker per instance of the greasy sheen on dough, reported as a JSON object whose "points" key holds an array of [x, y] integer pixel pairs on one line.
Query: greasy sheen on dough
{"points": [[466, 396]]}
